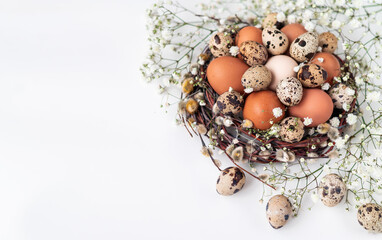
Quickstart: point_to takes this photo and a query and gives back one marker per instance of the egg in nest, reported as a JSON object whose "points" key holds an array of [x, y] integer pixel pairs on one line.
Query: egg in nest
{"points": [[249, 33], [253, 53], [290, 91], [230, 103], [257, 78], [341, 95], [312, 75], [304, 47], [275, 41], [220, 44], [291, 130]]}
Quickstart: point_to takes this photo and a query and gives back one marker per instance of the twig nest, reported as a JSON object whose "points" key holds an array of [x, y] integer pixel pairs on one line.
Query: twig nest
{"points": [[332, 190], [289, 91], [304, 47], [279, 209], [292, 130], [341, 95], [256, 78], [370, 217], [312, 75], [271, 21], [328, 42], [230, 181], [220, 43], [230, 103], [275, 41], [253, 53]]}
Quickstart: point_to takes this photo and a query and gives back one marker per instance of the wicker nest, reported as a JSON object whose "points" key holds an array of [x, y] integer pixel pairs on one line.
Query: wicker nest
{"points": [[257, 140]]}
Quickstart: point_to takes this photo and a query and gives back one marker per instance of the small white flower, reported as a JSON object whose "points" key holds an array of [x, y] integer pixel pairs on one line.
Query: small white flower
{"points": [[194, 71], [335, 122], [296, 69], [235, 141], [349, 91], [346, 107], [292, 19], [234, 51], [309, 26], [320, 60], [336, 24], [227, 122], [373, 96], [351, 119], [281, 17], [308, 121], [308, 14], [340, 142], [201, 62], [354, 23], [325, 86], [277, 112], [230, 89], [248, 90]]}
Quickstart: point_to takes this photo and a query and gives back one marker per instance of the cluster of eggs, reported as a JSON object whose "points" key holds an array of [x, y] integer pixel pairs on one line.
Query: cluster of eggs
{"points": [[277, 67]]}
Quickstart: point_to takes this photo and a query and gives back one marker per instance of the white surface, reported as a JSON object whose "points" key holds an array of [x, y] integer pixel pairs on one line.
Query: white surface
{"points": [[86, 152]]}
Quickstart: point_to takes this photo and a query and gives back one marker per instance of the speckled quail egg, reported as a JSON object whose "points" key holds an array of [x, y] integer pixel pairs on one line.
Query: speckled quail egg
{"points": [[279, 210], [304, 47], [312, 75], [257, 77], [291, 129], [220, 44], [370, 217], [275, 41], [253, 53], [271, 21], [289, 91], [332, 190], [328, 42], [230, 181], [341, 95], [230, 103]]}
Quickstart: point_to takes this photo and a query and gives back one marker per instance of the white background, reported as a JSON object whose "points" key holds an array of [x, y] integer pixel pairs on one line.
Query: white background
{"points": [[86, 152]]}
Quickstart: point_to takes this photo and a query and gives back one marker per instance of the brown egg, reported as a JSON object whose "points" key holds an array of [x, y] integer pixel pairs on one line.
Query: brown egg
{"points": [[315, 104], [259, 107], [226, 72], [292, 31], [330, 63], [249, 33]]}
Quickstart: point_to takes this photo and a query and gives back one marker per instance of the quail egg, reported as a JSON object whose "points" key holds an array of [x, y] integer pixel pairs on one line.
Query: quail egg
{"points": [[256, 78], [291, 130], [220, 44], [370, 217], [312, 75], [253, 53], [230, 103], [230, 181], [304, 47], [342, 95], [332, 190], [279, 210], [289, 91], [271, 21], [328, 42], [275, 41]]}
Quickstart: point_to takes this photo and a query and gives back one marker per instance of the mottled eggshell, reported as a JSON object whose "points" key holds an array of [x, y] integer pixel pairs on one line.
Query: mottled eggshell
{"points": [[257, 77], [258, 108], [328, 42], [271, 21], [370, 217], [291, 130], [279, 210], [220, 43], [330, 63], [312, 75], [253, 53], [315, 104], [304, 47], [230, 181], [275, 41], [281, 66], [332, 190], [226, 72], [249, 33], [340, 95], [289, 91], [230, 103], [293, 31]]}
